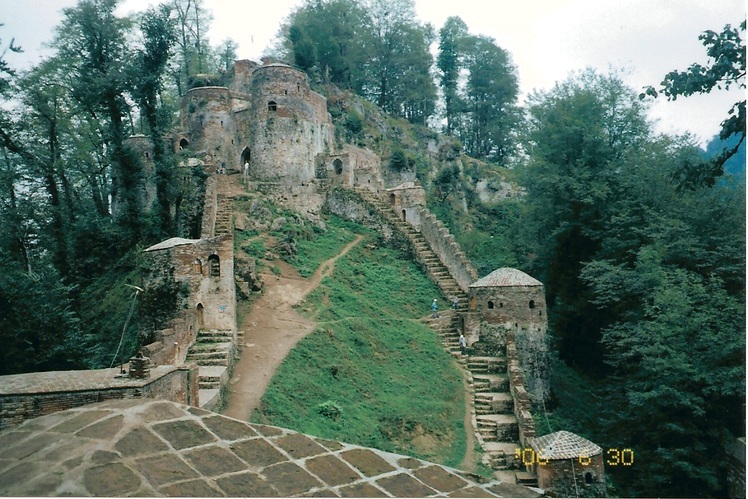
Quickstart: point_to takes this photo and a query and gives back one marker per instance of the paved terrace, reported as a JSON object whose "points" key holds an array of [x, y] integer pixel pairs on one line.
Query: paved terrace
{"points": [[159, 448], [71, 381]]}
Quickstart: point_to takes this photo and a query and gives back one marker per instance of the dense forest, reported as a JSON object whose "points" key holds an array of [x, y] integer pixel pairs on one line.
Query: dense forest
{"points": [[639, 238]]}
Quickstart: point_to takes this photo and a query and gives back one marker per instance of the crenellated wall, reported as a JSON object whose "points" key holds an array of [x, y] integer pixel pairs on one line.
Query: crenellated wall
{"points": [[444, 245]]}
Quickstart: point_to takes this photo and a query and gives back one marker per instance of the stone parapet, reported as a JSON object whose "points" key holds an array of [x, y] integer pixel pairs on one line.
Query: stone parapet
{"points": [[443, 243], [522, 404], [28, 396]]}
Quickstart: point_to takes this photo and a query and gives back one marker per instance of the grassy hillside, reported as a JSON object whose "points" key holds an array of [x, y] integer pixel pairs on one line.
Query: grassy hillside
{"points": [[371, 373]]}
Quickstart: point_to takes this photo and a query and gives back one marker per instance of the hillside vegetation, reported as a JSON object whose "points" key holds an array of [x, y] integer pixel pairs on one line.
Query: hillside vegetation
{"points": [[371, 374]]}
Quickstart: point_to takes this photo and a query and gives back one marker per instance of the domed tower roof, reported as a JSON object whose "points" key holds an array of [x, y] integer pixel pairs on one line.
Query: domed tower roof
{"points": [[504, 277], [563, 445]]}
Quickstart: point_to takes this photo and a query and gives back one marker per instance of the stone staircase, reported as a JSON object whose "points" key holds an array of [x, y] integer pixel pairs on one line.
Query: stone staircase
{"points": [[212, 351], [495, 424], [223, 216], [436, 271]]}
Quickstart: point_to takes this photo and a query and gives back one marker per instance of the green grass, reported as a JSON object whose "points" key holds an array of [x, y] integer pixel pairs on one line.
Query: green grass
{"points": [[371, 374], [317, 245]]}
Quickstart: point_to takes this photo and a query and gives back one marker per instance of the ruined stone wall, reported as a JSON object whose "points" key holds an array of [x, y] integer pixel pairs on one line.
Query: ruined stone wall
{"points": [[27, 396], [559, 476], [350, 205], [141, 146], [533, 348], [522, 404], [510, 305], [291, 126], [207, 114], [407, 200], [446, 248]]}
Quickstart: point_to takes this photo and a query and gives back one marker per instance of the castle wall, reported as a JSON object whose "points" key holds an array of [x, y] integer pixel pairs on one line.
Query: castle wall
{"points": [[561, 474], [446, 248], [291, 126], [522, 404], [28, 396], [407, 200], [207, 114], [510, 305]]}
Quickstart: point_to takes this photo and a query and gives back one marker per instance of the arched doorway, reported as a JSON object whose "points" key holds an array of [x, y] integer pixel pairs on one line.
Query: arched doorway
{"points": [[246, 156], [338, 166], [184, 144], [214, 263], [199, 321]]}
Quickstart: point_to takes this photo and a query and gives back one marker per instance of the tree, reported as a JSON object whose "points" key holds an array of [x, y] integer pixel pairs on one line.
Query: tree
{"points": [[726, 68], [399, 52], [92, 41], [579, 136], [450, 61], [490, 101], [194, 54], [159, 37]]}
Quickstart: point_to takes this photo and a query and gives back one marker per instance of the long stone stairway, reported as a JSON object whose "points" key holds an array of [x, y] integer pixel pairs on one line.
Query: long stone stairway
{"points": [[424, 255], [214, 350], [495, 424]]}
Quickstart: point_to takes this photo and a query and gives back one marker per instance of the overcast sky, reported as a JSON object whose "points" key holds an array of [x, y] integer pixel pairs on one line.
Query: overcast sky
{"points": [[547, 39]]}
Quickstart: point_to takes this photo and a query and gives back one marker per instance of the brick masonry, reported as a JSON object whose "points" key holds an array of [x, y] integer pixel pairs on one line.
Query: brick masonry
{"points": [[28, 396]]}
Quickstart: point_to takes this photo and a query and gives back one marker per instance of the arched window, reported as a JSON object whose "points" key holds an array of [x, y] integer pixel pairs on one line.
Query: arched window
{"points": [[532, 304], [338, 165], [215, 265], [404, 220], [392, 198], [198, 266], [588, 477], [490, 305], [272, 106], [184, 144]]}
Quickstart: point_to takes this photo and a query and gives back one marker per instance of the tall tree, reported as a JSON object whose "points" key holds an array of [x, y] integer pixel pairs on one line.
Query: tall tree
{"points": [[579, 134], [93, 39], [194, 54], [450, 61], [159, 37], [490, 101]]}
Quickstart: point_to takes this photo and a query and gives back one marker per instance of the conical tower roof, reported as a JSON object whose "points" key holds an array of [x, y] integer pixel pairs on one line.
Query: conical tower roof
{"points": [[506, 276]]}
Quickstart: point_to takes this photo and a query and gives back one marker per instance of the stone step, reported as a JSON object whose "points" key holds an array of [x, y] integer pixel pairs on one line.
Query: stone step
{"points": [[494, 382], [526, 479], [213, 362], [200, 356], [209, 385], [210, 346], [504, 425], [495, 402]]}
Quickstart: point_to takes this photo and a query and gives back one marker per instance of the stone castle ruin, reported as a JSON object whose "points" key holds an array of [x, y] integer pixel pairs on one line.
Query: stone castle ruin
{"points": [[269, 124]]}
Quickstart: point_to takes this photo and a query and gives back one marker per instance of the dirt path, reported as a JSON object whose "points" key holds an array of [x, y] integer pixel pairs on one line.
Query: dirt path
{"points": [[271, 329]]}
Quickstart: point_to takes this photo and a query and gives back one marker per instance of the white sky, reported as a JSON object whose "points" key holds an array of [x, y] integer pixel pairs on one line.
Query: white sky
{"points": [[546, 38]]}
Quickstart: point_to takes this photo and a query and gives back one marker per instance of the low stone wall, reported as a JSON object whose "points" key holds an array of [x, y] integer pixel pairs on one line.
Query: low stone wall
{"points": [[27, 396], [446, 248], [522, 405]]}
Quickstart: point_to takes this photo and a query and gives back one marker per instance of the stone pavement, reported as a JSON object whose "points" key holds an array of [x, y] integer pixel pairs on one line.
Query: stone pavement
{"points": [[159, 448]]}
